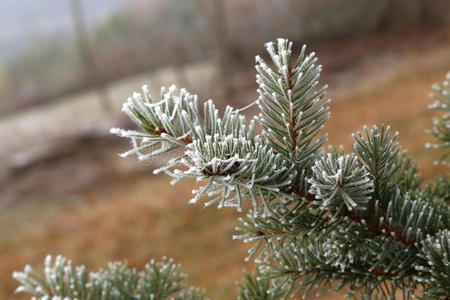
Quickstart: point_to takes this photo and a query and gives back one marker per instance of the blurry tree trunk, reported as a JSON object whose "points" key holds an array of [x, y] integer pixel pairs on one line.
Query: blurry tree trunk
{"points": [[376, 11], [179, 66], [85, 50], [404, 13], [437, 12], [220, 44]]}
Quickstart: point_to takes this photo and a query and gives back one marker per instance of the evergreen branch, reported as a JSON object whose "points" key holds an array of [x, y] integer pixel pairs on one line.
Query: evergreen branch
{"points": [[362, 220], [381, 155], [255, 286], [310, 262], [159, 280], [437, 251], [291, 107], [439, 188], [236, 163], [380, 229], [441, 125], [405, 220], [340, 182], [407, 177]]}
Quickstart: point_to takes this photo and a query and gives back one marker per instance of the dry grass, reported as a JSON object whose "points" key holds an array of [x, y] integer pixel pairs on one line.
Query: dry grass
{"points": [[141, 218]]}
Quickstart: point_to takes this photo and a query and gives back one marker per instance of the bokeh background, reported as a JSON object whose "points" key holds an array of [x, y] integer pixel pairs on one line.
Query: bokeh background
{"points": [[66, 66]]}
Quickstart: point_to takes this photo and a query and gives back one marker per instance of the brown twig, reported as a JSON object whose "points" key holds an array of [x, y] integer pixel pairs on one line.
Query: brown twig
{"points": [[160, 130], [260, 233], [373, 226], [376, 272]]}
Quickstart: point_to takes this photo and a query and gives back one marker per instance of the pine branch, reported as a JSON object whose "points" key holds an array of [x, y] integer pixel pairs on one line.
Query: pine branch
{"points": [[255, 286], [441, 125], [159, 280], [381, 155], [311, 262], [439, 188], [361, 219], [236, 163], [437, 251], [292, 110], [340, 183]]}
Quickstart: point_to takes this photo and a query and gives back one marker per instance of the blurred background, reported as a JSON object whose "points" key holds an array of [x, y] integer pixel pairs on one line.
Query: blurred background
{"points": [[66, 66]]}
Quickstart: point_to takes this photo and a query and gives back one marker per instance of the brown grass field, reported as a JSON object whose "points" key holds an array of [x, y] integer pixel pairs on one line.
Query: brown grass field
{"points": [[142, 216]]}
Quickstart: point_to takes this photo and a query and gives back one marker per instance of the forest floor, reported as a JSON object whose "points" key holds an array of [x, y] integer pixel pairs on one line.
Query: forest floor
{"points": [[65, 191]]}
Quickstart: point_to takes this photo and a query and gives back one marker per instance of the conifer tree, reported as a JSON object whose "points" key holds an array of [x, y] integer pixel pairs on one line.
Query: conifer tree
{"points": [[363, 222]]}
